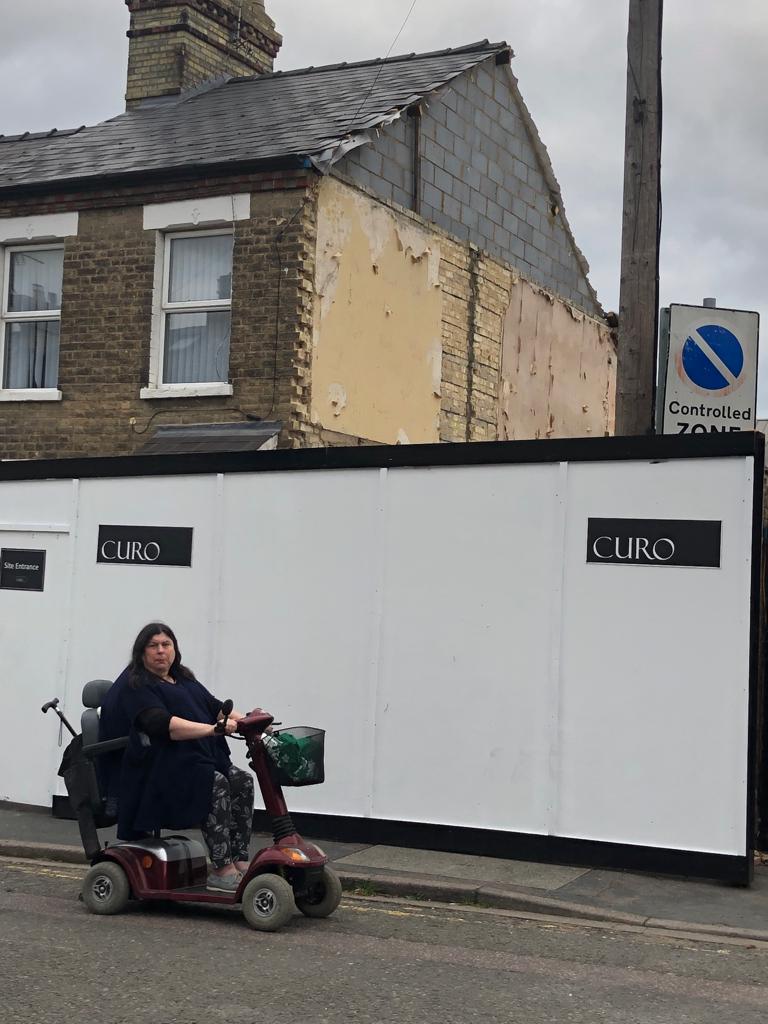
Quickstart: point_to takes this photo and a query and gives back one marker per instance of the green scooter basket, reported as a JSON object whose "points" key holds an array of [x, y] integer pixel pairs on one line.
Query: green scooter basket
{"points": [[296, 756]]}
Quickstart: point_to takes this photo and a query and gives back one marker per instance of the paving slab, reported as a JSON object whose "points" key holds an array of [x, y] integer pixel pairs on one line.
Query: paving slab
{"points": [[681, 899], [548, 877]]}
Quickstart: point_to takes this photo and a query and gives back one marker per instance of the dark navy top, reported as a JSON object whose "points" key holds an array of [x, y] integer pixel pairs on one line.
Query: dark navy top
{"points": [[169, 783], [113, 723]]}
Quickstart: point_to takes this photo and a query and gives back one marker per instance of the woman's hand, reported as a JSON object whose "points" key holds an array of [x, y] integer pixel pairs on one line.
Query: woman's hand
{"points": [[231, 725]]}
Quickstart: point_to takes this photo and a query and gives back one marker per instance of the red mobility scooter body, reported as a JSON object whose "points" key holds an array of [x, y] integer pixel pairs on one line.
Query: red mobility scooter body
{"points": [[288, 875]]}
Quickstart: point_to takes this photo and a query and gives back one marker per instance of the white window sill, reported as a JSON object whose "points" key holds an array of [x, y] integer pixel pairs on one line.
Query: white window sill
{"points": [[186, 391], [30, 395]]}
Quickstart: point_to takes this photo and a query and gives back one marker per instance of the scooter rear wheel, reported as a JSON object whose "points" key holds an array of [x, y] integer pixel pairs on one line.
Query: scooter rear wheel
{"points": [[106, 889], [323, 897], [268, 902]]}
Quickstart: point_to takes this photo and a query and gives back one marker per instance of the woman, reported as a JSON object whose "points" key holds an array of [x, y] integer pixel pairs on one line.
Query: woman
{"points": [[185, 777]]}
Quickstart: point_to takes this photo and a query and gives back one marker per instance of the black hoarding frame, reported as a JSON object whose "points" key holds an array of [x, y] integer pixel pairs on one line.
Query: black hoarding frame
{"points": [[653, 448]]}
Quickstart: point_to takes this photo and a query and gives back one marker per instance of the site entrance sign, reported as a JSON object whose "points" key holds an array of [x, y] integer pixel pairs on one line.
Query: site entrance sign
{"points": [[709, 371]]}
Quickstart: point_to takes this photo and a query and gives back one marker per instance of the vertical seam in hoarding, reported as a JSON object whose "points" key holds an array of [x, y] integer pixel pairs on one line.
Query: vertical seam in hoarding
{"points": [[214, 608], [374, 673], [554, 695], [743, 795], [66, 611], [756, 658]]}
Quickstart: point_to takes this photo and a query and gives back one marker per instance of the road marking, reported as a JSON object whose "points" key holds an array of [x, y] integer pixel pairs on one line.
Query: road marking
{"points": [[49, 869]]}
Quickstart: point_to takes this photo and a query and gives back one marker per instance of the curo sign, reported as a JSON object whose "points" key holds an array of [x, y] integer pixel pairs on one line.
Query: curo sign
{"points": [[691, 542], [145, 545]]}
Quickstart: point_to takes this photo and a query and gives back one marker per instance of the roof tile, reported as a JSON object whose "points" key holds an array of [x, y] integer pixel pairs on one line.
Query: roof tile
{"points": [[299, 114]]}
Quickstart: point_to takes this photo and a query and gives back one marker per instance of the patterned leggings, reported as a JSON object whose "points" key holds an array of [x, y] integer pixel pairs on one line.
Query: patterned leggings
{"points": [[227, 829]]}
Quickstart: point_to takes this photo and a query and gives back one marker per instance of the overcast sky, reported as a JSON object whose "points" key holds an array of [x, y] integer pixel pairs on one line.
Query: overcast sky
{"points": [[62, 63]]}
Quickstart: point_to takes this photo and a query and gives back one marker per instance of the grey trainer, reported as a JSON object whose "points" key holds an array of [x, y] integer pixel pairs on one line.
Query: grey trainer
{"points": [[223, 883]]}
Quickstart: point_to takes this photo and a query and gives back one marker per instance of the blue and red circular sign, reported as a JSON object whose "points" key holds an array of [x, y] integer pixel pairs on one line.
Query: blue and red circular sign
{"points": [[713, 358]]}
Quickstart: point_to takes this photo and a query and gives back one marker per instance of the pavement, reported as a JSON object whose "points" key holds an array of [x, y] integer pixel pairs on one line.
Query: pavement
{"points": [[708, 909]]}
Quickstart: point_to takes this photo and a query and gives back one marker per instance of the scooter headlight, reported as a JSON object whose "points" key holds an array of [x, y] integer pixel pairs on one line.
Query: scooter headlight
{"points": [[296, 855]]}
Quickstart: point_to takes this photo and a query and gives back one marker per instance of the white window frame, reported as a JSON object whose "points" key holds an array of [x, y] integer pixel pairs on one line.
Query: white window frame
{"points": [[7, 317], [162, 307]]}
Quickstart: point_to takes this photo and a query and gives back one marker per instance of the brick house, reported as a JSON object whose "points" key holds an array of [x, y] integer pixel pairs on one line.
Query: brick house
{"points": [[361, 253]]}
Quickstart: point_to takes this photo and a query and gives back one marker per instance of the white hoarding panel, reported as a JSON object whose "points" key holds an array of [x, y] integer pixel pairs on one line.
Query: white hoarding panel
{"points": [[711, 373], [297, 614], [560, 648], [655, 664], [113, 600], [35, 527], [462, 714]]}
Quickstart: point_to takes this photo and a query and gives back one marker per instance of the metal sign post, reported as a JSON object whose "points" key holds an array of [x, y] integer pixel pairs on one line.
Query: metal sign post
{"points": [[709, 371]]}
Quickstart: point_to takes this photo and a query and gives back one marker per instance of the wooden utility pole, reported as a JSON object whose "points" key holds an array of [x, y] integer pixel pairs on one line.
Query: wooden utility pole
{"points": [[639, 294]]}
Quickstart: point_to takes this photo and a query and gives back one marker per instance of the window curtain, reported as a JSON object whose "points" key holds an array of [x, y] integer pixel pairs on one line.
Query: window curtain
{"points": [[35, 280], [201, 269], [32, 354], [197, 342], [196, 348]]}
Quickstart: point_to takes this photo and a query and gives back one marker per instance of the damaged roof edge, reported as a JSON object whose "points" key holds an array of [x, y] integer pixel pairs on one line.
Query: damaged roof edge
{"points": [[553, 184], [481, 46], [362, 135]]}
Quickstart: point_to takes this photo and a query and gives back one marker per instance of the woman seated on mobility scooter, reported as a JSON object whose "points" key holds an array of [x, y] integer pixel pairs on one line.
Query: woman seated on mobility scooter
{"points": [[185, 776]]}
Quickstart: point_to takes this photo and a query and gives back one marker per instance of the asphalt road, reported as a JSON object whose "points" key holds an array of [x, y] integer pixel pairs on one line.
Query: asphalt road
{"points": [[374, 961]]}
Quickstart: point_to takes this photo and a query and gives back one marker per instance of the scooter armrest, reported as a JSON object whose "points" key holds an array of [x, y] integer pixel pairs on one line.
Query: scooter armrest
{"points": [[105, 746]]}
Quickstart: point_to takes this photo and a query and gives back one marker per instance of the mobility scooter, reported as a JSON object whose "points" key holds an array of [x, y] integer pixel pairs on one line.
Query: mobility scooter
{"points": [[291, 873]]}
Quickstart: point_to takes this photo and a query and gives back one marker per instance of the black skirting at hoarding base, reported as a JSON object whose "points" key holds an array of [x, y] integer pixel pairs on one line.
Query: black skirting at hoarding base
{"points": [[480, 842], [555, 849]]}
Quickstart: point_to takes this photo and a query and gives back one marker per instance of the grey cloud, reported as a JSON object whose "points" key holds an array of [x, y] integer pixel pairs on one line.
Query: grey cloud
{"points": [[63, 63]]}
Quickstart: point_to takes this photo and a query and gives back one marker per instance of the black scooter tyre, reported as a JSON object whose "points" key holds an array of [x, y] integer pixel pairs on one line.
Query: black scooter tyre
{"points": [[324, 898], [106, 889], [268, 903]]}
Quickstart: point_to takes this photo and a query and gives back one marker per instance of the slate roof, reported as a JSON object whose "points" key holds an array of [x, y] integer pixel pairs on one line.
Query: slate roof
{"points": [[297, 117]]}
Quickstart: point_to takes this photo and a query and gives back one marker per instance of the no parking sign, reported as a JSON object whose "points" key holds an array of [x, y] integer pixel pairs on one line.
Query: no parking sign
{"points": [[710, 384]]}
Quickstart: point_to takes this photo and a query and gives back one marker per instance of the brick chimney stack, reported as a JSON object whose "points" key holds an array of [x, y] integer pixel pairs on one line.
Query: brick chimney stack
{"points": [[178, 44]]}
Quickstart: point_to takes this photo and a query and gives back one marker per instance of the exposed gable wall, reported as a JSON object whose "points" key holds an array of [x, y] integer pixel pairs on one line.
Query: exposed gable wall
{"points": [[482, 179], [420, 337]]}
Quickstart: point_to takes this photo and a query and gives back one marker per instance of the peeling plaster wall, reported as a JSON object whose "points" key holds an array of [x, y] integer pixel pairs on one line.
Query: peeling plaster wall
{"points": [[418, 336], [558, 369], [376, 346]]}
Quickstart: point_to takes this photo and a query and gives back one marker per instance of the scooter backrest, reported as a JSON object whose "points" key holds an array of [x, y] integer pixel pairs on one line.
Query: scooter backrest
{"points": [[95, 691]]}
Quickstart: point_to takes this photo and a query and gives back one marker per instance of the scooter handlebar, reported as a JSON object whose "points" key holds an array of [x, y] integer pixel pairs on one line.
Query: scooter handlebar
{"points": [[256, 720]]}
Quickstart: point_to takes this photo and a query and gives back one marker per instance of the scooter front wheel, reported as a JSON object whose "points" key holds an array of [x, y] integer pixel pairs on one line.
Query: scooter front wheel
{"points": [[106, 889], [268, 903], [323, 897]]}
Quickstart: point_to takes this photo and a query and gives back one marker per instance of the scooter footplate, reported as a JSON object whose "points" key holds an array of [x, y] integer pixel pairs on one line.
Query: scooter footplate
{"points": [[192, 894]]}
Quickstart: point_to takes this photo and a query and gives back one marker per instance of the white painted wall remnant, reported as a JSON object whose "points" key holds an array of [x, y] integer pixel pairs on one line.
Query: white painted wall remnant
{"points": [[337, 396]]}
